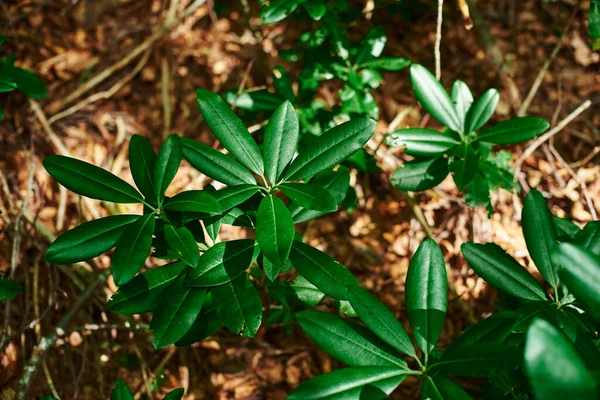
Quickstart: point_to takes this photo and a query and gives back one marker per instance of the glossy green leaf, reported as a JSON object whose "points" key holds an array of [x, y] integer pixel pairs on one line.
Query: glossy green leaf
{"points": [[255, 101], [9, 289], [274, 229], [277, 10], [282, 133], [346, 341], [238, 305], [499, 269], [380, 319], [479, 360], [283, 84], [589, 237], [121, 391], [567, 229], [555, 368], [90, 181], [271, 270], [223, 262], [89, 239], [494, 329], [306, 291], [230, 131], [427, 294], [316, 8], [142, 159], [462, 98], [433, 97], [513, 131], [331, 148], [182, 242], [167, 164], [28, 83], [387, 63], [132, 249], [464, 165], [347, 383], [421, 141], [416, 176], [235, 195], [371, 45], [175, 394], [196, 201], [310, 196], [442, 388], [215, 164], [482, 110], [207, 324], [321, 270]]}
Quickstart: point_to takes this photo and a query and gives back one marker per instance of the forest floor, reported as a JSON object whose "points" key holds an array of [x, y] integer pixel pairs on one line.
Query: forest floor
{"points": [[70, 43]]}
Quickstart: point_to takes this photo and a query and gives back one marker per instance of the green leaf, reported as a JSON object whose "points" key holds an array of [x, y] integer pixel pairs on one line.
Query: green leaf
{"points": [[482, 110], [281, 139], [421, 141], [132, 249], [142, 159], [177, 310], [312, 197], [283, 84], [416, 176], [28, 83], [479, 360], [380, 320], [183, 243], [215, 164], [235, 195], [238, 305], [143, 292], [9, 289], [230, 131], [567, 229], [90, 181], [427, 294], [371, 45], [462, 98], [589, 237], [594, 22], [499, 269], [255, 101], [442, 388], [555, 368], [316, 9], [331, 148], [306, 291], [207, 324], [89, 239], [433, 97], [346, 341], [492, 330], [278, 10], [223, 262], [579, 269], [464, 165], [121, 391], [540, 234], [197, 201], [387, 63], [513, 131], [321, 270], [175, 394], [347, 383], [274, 229], [167, 164], [271, 270]]}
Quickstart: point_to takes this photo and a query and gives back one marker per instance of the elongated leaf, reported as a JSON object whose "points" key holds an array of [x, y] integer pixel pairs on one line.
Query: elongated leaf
{"points": [[421, 141], [90, 181], [121, 391], [283, 84], [175, 394], [331, 148], [589, 237], [207, 324], [197, 201], [462, 98], [347, 383], [223, 262], [513, 131], [371, 45], [321, 270], [502, 271], [282, 133], [183, 243], [433, 97], [482, 110], [388, 63], [380, 320], [238, 305], [215, 164], [142, 159], [142, 293], [494, 329], [479, 360], [9, 289], [177, 310], [167, 164], [256, 100], [340, 339], [464, 165], [416, 176], [442, 388], [554, 366], [27, 82], [132, 249], [230, 131], [427, 294], [312, 197], [277, 10], [540, 234], [89, 239], [274, 229], [235, 195], [567, 229], [306, 291]]}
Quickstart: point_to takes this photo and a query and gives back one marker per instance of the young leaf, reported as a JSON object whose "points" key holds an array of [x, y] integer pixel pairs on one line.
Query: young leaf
{"points": [[132, 249], [142, 159], [312, 197], [223, 262], [462, 98], [283, 84], [372, 45], [331, 148], [513, 131], [197, 201], [422, 141], [347, 383], [230, 131], [416, 176], [589, 237], [464, 165], [342, 340], [482, 110], [433, 97], [387, 63], [427, 294], [238, 305], [89, 239], [281, 139], [499, 269], [183, 243], [554, 366], [167, 164], [479, 360], [177, 310], [321, 270], [274, 229], [121, 391], [9, 289], [380, 320], [235, 195], [90, 181], [215, 164]]}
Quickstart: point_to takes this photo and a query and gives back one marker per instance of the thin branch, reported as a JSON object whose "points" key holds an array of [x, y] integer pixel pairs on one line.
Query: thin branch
{"points": [[438, 41]]}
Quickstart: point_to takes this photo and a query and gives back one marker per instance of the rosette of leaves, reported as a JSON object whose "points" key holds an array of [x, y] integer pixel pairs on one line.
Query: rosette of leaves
{"points": [[209, 283], [560, 317], [464, 147], [376, 353]]}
